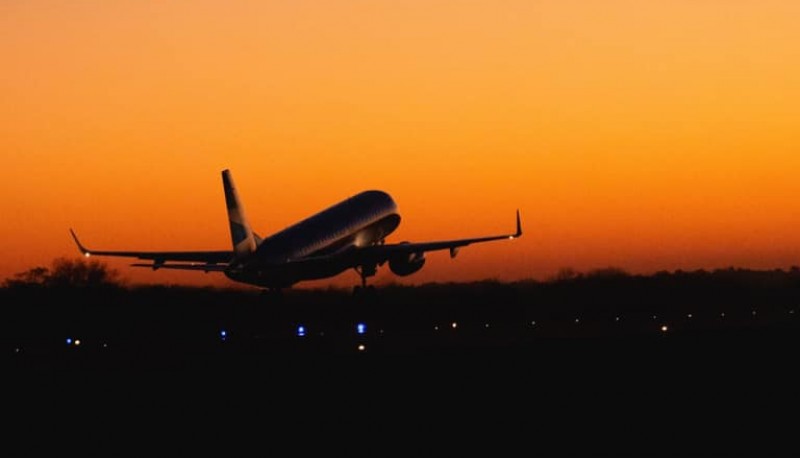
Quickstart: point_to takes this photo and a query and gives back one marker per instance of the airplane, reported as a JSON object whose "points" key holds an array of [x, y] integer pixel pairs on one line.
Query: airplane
{"points": [[348, 235]]}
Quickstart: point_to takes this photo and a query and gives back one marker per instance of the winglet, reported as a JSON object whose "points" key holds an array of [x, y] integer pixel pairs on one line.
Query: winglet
{"points": [[519, 227], [84, 251]]}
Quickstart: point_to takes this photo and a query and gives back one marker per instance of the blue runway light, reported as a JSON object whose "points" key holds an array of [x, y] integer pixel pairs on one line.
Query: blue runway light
{"points": [[361, 328], [69, 341], [301, 331], [223, 333]]}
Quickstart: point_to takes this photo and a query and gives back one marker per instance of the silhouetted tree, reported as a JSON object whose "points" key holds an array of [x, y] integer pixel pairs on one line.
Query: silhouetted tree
{"points": [[36, 276], [566, 274], [66, 273], [607, 273]]}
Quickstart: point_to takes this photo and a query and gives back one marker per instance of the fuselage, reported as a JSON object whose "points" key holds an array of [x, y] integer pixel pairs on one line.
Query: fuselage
{"points": [[362, 220]]}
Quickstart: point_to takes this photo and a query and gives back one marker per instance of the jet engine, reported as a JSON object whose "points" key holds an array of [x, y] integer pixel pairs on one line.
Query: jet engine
{"points": [[406, 264]]}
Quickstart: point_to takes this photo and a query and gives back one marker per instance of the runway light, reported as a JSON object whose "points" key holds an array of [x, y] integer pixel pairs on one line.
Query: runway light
{"points": [[69, 341], [689, 315], [722, 315], [17, 350], [791, 312], [664, 328], [436, 328], [533, 323], [453, 325], [616, 319], [77, 342], [754, 313], [577, 320], [654, 317], [486, 325], [301, 331], [223, 334], [361, 328], [361, 347]]}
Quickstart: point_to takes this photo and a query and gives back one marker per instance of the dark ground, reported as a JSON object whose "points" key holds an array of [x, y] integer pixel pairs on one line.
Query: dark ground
{"points": [[582, 363]]}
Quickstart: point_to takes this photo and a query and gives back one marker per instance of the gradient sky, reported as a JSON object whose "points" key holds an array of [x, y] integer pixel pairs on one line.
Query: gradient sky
{"points": [[653, 135]]}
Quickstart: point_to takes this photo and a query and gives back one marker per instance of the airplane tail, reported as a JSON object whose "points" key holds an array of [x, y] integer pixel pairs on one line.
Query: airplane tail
{"points": [[244, 240]]}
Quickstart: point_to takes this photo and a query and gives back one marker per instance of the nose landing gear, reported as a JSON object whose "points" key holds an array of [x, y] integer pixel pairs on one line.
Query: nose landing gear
{"points": [[365, 271]]}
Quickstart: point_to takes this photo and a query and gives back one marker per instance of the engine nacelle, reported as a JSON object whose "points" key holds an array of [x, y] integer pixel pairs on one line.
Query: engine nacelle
{"points": [[406, 264]]}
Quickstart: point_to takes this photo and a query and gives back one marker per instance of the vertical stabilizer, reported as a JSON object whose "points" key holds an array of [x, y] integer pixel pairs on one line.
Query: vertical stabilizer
{"points": [[244, 241]]}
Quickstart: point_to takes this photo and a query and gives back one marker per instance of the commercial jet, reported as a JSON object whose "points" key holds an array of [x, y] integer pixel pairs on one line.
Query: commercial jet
{"points": [[348, 235]]}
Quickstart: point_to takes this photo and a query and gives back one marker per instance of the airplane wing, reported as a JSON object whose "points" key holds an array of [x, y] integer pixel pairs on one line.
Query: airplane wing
{"points": [[159, 257], [380, 253]]}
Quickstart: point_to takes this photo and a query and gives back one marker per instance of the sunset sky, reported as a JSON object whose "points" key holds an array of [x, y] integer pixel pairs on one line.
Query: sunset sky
{"points": [[647, 135]]}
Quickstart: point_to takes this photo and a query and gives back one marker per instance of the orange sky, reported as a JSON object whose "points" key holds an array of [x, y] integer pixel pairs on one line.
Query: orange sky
{"points": [[645, 135]]}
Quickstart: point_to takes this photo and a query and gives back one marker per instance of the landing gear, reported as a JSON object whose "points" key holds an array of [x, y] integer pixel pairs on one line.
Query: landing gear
{"points": [[365, 271]]}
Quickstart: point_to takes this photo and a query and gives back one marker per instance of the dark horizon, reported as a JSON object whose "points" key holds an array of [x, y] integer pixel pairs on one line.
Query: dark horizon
{"points": [[82, 300], [112, 276], [596, 351]]}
